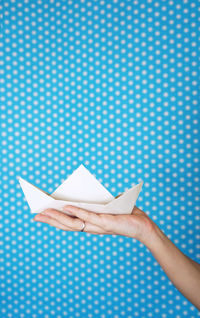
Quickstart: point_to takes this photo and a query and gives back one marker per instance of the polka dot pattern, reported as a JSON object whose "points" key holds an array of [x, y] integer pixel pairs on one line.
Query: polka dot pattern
{"points": [[112, 85]]}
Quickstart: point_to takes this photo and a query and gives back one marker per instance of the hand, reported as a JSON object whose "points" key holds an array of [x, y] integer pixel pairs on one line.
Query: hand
{"points": [[136, 225], [182, 271]]}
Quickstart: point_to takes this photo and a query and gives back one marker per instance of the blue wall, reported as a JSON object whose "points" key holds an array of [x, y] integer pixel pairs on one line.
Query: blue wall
{"points": [[112, 85]]}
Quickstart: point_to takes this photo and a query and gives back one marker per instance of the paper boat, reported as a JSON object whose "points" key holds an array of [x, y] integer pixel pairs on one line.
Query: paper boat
{"points": [[83, 190]]}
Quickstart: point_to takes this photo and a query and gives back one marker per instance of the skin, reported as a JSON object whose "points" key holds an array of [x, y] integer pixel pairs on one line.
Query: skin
{"points": [[183, 272]]}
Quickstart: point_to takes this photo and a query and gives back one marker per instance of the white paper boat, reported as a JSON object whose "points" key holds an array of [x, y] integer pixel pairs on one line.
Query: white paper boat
{"points": [[83, 190]]}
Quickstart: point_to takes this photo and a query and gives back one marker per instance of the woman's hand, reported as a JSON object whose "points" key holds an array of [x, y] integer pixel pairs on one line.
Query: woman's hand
{"points": [[181, 270], [136, 225]]}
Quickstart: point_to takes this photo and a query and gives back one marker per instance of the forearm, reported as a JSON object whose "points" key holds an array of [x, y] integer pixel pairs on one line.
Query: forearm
{"points": [[181, 270]]}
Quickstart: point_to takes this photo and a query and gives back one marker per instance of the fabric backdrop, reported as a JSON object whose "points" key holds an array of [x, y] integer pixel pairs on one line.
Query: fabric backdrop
{"points": [[113, 85]]}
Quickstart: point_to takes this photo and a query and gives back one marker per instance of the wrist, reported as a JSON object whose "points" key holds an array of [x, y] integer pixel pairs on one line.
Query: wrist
{"points": [[152, 235], [155, 239]]}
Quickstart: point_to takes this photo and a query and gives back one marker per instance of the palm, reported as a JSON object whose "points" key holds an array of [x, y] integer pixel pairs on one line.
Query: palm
{"points": [[135, 225]]}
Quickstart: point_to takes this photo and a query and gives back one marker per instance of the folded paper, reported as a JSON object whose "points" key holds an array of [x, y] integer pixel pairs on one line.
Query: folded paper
{"points": [[83, 190]]}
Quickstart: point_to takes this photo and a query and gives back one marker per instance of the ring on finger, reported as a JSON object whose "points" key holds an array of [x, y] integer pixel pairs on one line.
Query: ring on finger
{"points": [[83, 226]]}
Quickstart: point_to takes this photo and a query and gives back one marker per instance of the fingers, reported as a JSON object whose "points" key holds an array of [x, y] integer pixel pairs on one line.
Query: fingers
{"points": [[96, 223], [64, 219], [45, 219], [105, 221], [67, 223]]}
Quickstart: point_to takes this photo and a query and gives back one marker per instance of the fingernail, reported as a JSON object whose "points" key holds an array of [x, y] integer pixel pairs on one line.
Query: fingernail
{"points": [[67, 211], [49, 213], [67, 208]]}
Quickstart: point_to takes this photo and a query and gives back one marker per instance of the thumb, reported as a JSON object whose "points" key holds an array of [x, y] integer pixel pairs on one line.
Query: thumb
{"points": [[137, 211]]}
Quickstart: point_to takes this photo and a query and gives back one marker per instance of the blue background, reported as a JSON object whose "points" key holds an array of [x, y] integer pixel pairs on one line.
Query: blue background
{"points": [[113, 85]]}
